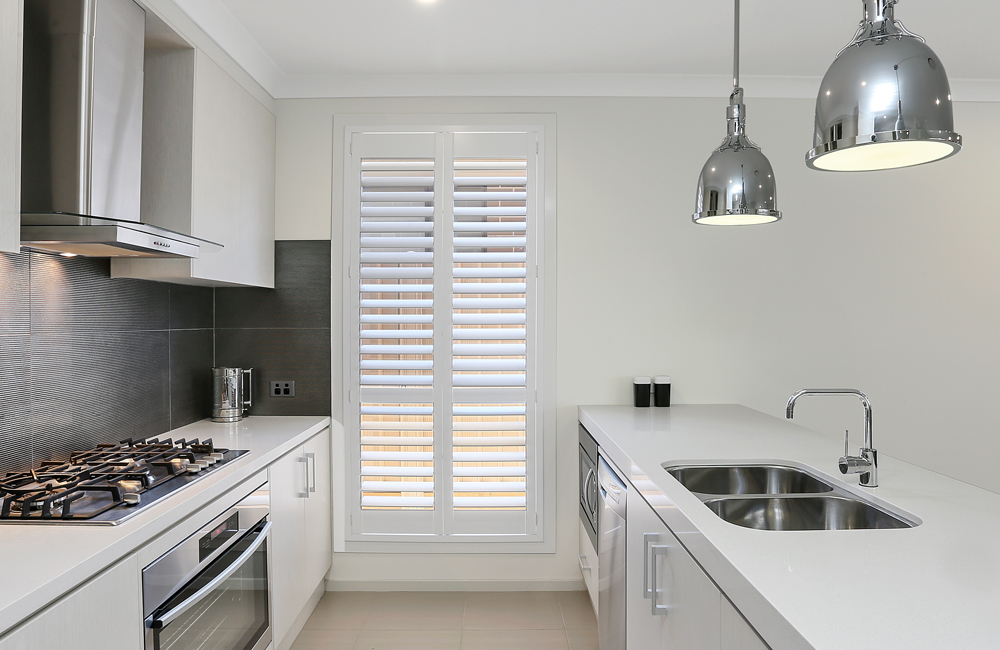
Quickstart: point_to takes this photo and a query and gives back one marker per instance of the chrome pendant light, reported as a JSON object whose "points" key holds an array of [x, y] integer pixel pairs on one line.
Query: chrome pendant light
{"points": [[737, 185], [885, 102]]}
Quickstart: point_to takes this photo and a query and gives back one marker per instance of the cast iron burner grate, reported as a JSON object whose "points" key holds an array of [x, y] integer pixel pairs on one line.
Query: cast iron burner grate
{"points": [[108, 483]]}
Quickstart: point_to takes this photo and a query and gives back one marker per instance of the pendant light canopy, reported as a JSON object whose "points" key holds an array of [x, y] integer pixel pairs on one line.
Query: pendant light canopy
{"points": [[737, 185], [885, 102]]}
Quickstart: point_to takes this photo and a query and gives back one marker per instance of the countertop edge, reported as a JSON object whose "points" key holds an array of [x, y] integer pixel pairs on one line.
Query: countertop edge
{"points": [[160, 517]]}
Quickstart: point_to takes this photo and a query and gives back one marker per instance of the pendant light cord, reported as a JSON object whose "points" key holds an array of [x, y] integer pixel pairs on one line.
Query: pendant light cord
{"points": [[736, 45]]}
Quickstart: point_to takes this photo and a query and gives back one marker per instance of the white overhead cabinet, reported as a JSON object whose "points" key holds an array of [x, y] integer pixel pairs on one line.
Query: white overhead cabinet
{"points": [[301, 536], [11, 22], [208, 153]]}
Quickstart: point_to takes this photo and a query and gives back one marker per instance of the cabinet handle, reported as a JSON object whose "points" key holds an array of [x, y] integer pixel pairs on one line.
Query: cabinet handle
{"points": [[584, 567], [305, 491], [646, 537], [658, 610], [312, 483]]}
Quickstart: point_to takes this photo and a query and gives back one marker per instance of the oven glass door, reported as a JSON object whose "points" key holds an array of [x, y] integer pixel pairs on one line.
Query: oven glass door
{"points": [[224, 608]]}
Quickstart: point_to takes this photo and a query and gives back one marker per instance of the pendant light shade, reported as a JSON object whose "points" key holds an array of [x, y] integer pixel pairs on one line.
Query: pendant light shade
{"points": [[737, 186], [885, 102]]}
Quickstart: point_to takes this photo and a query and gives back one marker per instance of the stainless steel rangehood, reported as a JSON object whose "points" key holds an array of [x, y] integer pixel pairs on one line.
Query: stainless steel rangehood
{"points": [[81, 138]]}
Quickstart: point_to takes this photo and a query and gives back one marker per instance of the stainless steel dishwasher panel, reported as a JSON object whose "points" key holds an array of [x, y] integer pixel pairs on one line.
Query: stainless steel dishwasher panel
{"points": [[611, 559]]}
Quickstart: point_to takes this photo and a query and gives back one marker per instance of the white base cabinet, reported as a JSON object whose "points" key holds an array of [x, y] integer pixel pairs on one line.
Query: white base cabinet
{"points": [[105, 613], [301, 533], [670, 602]]}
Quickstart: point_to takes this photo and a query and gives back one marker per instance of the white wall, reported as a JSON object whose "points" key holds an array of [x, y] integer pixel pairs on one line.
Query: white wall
{"points": [[888, 282]]}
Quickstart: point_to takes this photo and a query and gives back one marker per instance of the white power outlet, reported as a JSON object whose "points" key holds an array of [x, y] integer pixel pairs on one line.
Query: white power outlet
{"points": [[282, 389]]}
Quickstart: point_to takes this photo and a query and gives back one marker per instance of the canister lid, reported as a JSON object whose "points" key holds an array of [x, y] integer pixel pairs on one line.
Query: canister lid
{"points": [[661, 379], [641, 380]]}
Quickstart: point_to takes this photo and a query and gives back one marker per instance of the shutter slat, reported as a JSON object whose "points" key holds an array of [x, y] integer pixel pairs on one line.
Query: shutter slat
{"points": [[399, 502], [489, 486], [479, 272], [487, 349], [486, 258], [477, 196], [480, 456], [422, 319], [374, 409], [400, 257], [376, 425], [490, 502], [393, 303], [397, 211], [487, 472], [485, 364], [484, 334], [397, 380], [385, 456], [495, 211], [369, 470], [512, 379], [489, 409], [397, 288], [397, 334], [398, 181], [489, 441], [490, 242], [397, 226], [490, 164], [494, 425], [396, 349], [489, 303], [490, 226], [488, 287], [397, 365], [463, 181], [397, 242], [395, 165], [392, 273], [397, 441], [397, 197], [397, 486], [488, 319]]}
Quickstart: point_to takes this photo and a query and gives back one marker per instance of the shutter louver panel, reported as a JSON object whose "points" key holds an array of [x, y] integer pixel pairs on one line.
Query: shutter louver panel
{"points": [[442, 326], [489, 335]]}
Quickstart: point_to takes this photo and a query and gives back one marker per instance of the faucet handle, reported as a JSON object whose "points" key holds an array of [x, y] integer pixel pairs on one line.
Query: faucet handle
{"points": [[847, 437]]}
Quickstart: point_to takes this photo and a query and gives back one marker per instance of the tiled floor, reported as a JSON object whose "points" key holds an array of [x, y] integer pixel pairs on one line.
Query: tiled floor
{"points": [[409, 620]]}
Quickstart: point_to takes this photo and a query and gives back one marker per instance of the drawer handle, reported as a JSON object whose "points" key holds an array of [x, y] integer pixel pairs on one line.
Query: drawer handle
{"points": [[646, 538], [658, 610], [584, 567]]}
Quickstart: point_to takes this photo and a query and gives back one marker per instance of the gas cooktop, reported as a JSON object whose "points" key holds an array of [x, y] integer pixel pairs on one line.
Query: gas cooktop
{"points": [[109, 483]]}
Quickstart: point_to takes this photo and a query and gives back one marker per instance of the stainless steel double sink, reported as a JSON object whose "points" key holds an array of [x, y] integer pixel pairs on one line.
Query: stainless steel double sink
{"points": [[780, 497]]}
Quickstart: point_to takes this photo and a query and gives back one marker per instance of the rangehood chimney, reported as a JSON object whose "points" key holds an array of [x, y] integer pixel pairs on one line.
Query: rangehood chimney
{"points": [[81, 138]]}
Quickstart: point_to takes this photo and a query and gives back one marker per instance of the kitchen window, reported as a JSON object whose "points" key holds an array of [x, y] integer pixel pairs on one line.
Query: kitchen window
{"points": [[449, 429]]}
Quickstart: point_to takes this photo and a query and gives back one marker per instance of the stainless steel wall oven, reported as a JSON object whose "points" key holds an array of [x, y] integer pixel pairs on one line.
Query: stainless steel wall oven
{"points": [[213, 589], [588, 485]]}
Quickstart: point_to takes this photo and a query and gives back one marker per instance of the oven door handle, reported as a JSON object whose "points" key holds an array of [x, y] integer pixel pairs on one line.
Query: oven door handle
{"points": [[165, 619]]}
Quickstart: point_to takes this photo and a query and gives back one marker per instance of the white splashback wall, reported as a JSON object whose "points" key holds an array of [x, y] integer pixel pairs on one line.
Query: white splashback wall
{"points": [[888, 282]]}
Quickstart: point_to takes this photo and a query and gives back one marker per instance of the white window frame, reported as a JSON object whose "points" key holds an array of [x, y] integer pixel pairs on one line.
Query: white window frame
{"points": [[345, 505]]}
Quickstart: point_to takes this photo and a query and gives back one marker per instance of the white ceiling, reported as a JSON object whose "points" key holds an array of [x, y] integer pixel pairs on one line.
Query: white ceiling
{"points": [[309, 48]]}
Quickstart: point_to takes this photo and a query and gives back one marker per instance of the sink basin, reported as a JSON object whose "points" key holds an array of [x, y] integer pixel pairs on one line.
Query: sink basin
{"points": [[747, 479], [827, 512]]}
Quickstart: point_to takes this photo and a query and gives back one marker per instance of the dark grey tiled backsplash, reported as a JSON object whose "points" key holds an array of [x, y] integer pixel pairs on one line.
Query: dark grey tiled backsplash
{"points": [[86, 359]]}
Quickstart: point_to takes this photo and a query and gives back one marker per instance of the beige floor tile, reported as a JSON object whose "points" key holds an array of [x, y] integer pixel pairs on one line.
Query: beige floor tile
{"points": [[512, 610], [409, 640], [412, 610], [577, 611], [325, 640], [582, 638], [341, 610], [514, 640]]}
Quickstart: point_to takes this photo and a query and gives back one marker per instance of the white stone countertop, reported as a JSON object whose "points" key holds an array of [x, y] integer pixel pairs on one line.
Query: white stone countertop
{"points": [[41, 562], [933, 586]]}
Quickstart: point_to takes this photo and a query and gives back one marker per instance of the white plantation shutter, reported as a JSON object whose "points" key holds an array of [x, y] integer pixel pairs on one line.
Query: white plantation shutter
{"points": [[442, 336]]}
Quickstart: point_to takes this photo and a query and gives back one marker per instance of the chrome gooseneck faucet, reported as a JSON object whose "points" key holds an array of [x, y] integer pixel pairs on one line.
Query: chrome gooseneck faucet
{"points": [[867, 463]]}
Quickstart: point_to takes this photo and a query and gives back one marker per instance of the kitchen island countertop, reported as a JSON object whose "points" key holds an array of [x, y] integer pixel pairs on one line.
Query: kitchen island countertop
{"points": [[933, 586], [41, 562]]}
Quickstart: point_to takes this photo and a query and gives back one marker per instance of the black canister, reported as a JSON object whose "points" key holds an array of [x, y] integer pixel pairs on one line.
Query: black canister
{"points": [[661, 390], [640, 390]]}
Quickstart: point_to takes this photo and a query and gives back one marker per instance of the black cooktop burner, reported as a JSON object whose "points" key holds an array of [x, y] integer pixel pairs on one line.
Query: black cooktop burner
{"points": [[109, 483]]}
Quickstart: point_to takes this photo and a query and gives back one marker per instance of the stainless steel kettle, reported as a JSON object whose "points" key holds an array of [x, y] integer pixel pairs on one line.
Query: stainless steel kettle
{"points": [[232, 390]]}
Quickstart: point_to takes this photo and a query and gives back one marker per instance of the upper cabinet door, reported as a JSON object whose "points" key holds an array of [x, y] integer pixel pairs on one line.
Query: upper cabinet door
{"points": [[11, 21], [208, 171]]}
